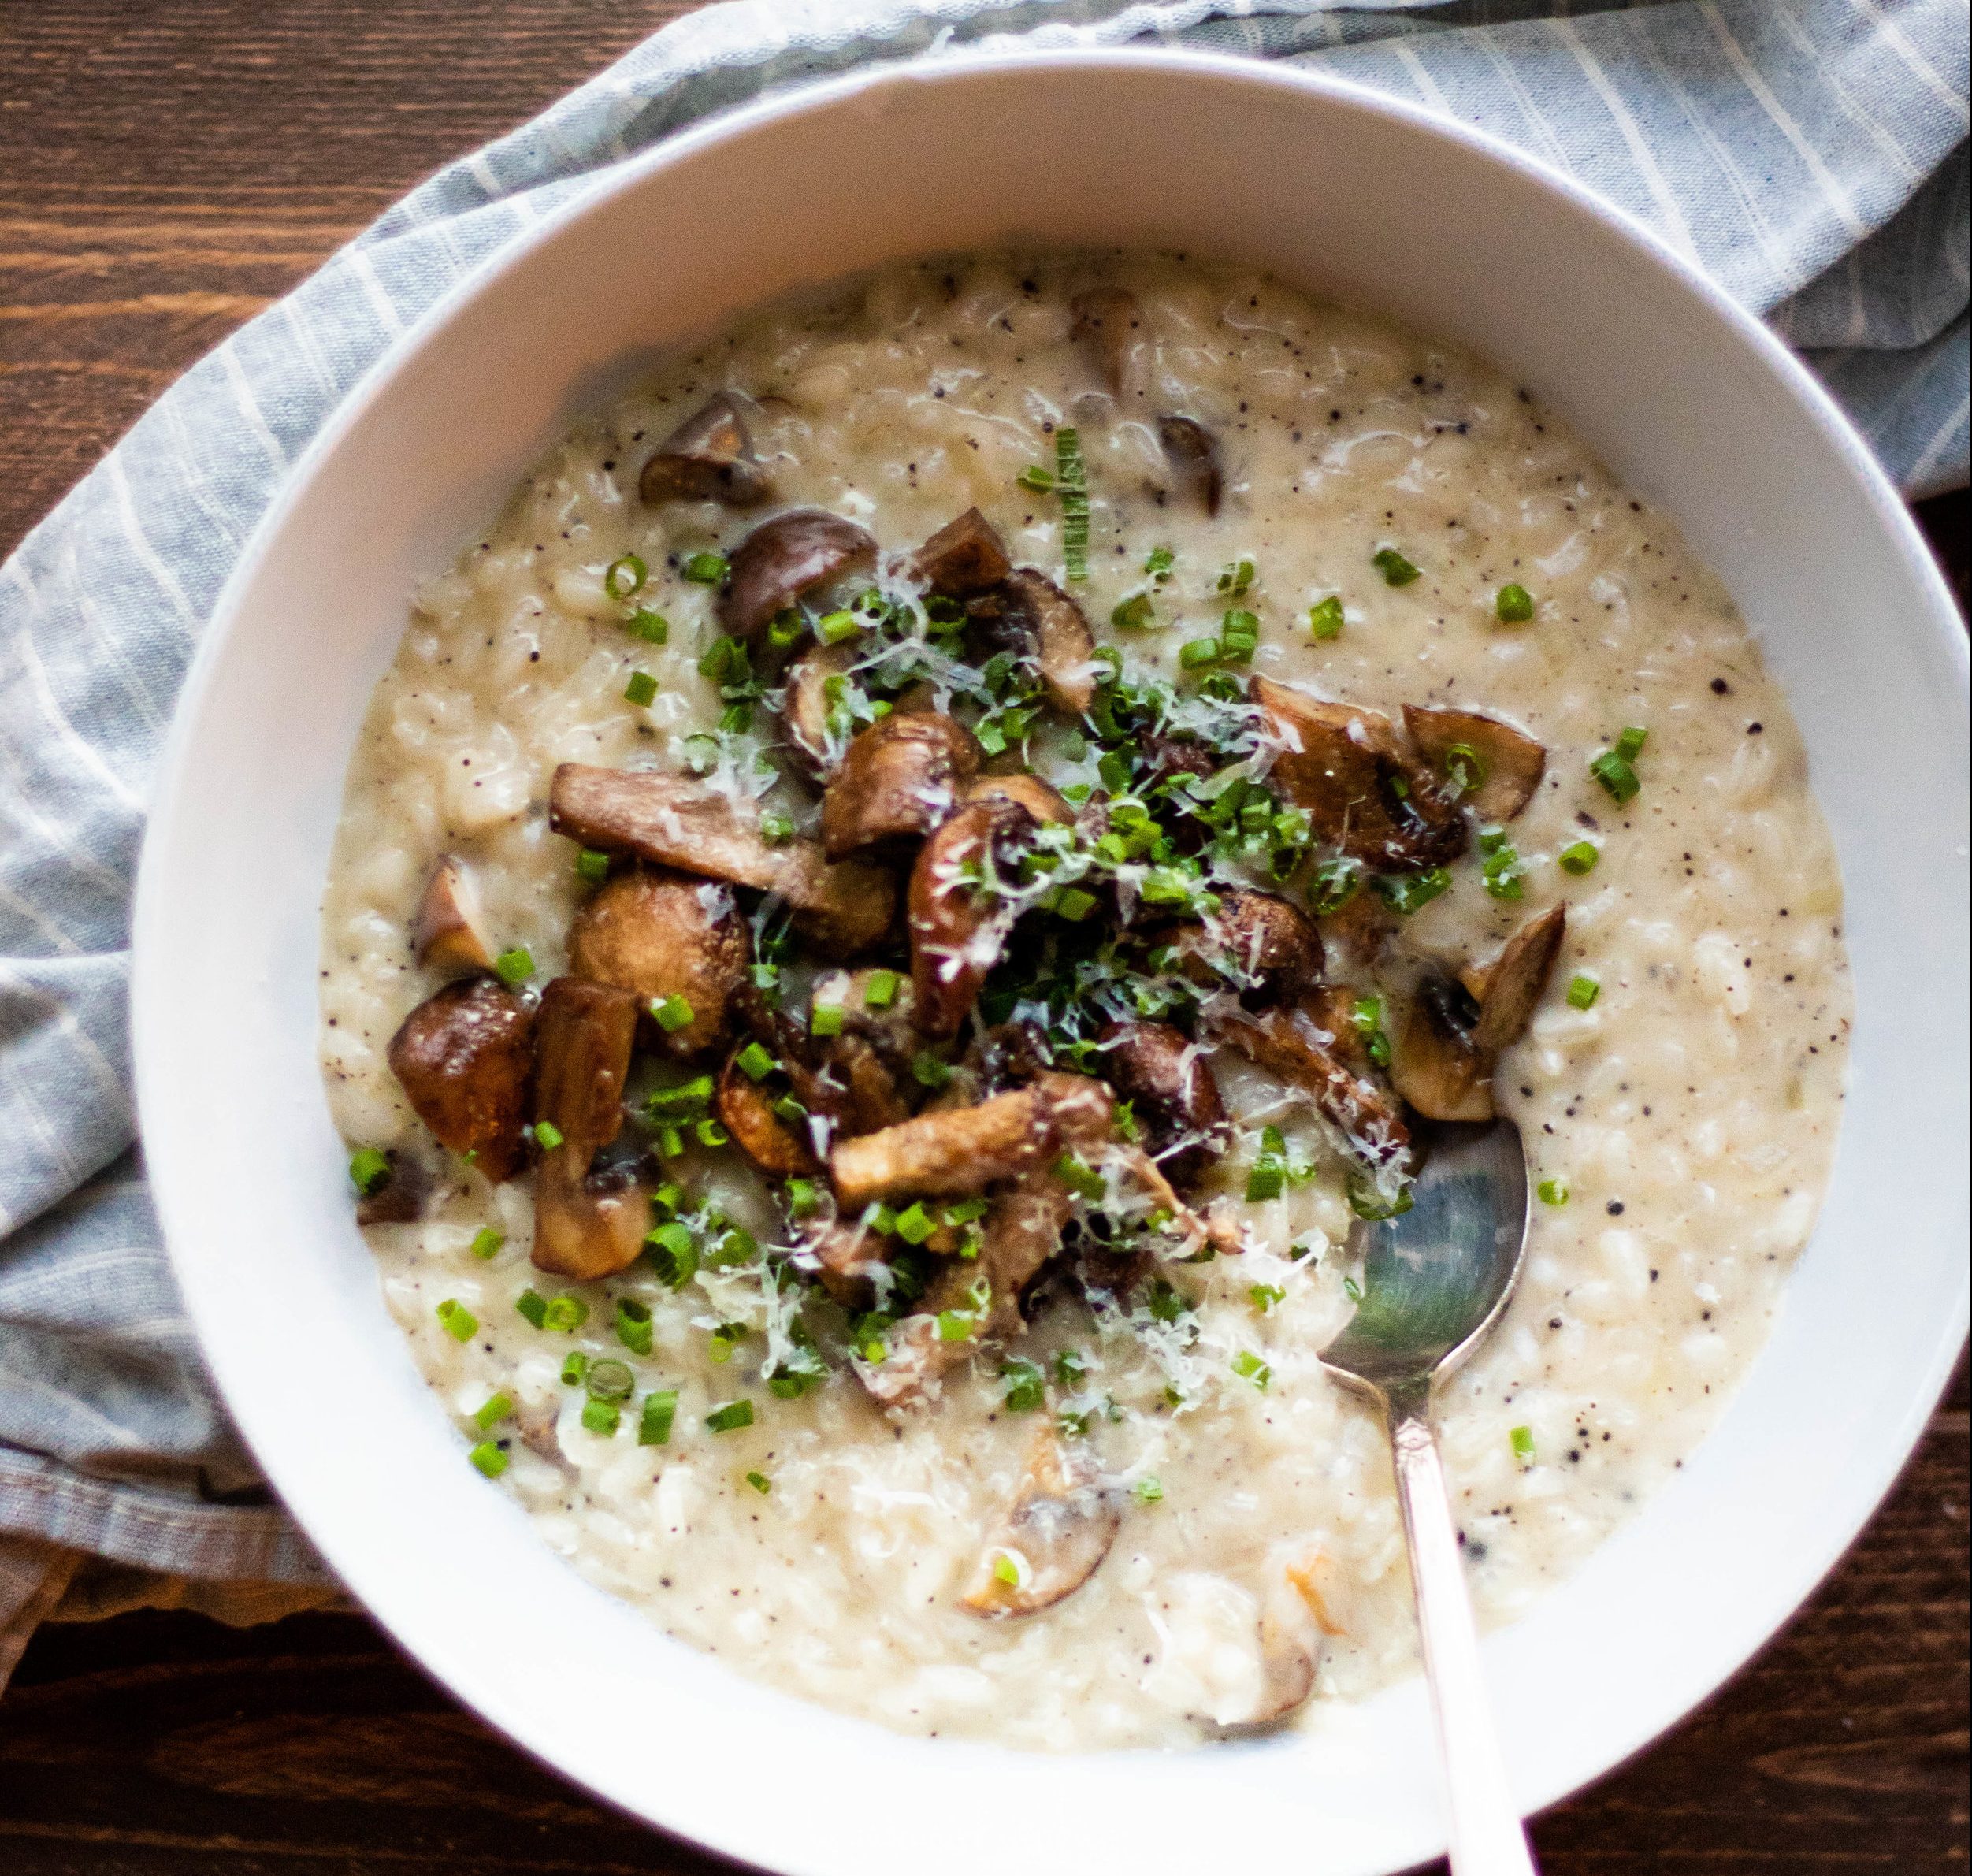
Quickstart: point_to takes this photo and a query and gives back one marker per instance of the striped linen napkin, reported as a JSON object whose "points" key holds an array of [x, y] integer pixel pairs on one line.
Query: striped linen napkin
{"points": [[1811, 154]]}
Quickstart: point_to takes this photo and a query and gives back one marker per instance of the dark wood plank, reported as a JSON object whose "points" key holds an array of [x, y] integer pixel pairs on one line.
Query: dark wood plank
{"points": [[165, 171]]}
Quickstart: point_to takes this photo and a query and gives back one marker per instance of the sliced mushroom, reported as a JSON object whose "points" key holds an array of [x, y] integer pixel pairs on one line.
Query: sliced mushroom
{"points": [[747, 1108], [870, 1097], [1266, 948], [1291, 1643], [1108, 323], [1434, 1062], [898, 780], [1332, 1010], [1491, 766], [589, 1223], [449, 933], [682, 823], [463, 1057], [1365, 793], [662, 934], [1171, 1092], [957, 931], [1029, 791], [1511, 985], [965, 557], [804, 706], [887, 1026], [946, 1152], [402, 1194], [709, 457], [1057, 1531], [1049, 627], [1289, 1046], [781, 559], [1193, 454]]}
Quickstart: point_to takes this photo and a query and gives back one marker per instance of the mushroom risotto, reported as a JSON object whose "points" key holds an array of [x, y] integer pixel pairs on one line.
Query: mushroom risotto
{"points": [[891, 913]]}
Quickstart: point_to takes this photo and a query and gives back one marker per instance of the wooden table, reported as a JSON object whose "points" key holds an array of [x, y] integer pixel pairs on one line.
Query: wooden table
{"points": [[165, 171]]}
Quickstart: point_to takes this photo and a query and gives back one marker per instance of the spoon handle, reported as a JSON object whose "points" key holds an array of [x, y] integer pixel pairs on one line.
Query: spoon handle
{"points": [[1486, 1836]]}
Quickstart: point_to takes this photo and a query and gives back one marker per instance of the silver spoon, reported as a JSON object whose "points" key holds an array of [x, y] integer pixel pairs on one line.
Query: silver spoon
{"points": [[1435, 1281]]}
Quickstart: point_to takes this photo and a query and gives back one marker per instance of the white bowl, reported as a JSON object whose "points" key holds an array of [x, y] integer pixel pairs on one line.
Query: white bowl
{"points": [[1336, 189]]}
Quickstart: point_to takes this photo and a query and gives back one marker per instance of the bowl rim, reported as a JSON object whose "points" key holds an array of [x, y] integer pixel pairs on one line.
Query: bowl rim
{"points": [[152, 985]]}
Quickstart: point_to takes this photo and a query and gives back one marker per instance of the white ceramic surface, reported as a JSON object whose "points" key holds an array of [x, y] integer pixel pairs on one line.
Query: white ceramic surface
{"points": [[1337, 189]]}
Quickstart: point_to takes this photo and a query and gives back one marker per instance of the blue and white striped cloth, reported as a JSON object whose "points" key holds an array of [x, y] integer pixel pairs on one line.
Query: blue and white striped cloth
{"points": [[1810, 153]]}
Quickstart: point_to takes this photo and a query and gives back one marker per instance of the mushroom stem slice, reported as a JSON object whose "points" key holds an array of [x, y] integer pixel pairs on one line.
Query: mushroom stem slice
{"points": [[948, 1152], [781, 559], [1288, 1045], [1487, 765], [1057, 1530], [1054, 631], [1193, 453], [587, 1224], [1511, 985], [1107, 328], [898, 779], [709, 457], [777, 1149], [679, 823], [463, 1058], [1364, 792], [965, 557], [448, 933], [957, 929], [661, 934]]}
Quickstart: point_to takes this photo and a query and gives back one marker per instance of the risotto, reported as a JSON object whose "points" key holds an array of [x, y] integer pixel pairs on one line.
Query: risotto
{"points": [[893, 910]]}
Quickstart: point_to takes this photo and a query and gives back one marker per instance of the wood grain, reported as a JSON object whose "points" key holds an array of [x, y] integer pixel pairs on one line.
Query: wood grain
{"points": [[167, 170]]}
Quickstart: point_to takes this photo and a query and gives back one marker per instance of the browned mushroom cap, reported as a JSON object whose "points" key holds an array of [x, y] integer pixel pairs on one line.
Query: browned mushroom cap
{"points": [[1365, 793], [966, 557], [1043, 622], [1488, 766], [448, 933], [1029, 791], [662, 934], [946, 1152], [1290, 1045], [463, 1057], [1107, 328], [957, 932], [1193, 454], [1291, 1651], [898, 780], [781, 559], [888, 1025], [679, 822], [1058, 1528], [1511, 985], [805, 704], [709, 457], [1256, 941], [747, 1108], [1433, 1061], [1171, 1092], [587, 1224]]}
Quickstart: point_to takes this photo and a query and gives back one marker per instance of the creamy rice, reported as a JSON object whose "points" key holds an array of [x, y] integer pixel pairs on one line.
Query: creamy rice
{"points": [[1690, 1111]]}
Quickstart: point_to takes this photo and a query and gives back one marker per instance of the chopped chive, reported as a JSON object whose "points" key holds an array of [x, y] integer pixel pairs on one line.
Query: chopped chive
{"points": [[707, 569], [674, 1012], [592, 866], [533, 1305], [1406, 892], [674, 1254], [602, 1417], [641, 690], [1147, 1491], [825, 1019], [1616, 775], [565, 1315], [1514, 606], [489, 1458], [1159, 563], [1196, 653], [1250, 1367], [1073, 904], [458, 1322], [495, 1408], [1583, 990], [574, 1368], [760, 1483], [1034, 476], [1629, 745], [652, 627], [547, 1136], [723, 1340], [1239, 636], [833, 628], [1521, 1439], [1397, 571], [755, 1063], [729, 1418], [1006, 1569], [1579, 858], [654, 1423], [777, 829], [881, 991], [1235, 578], [1333, 884], [1464, 767], [632, 1322], [1027, 1388], [609, 1380], [625, 576], [709, 1133], [1079, 1176], [725, 662], [515, 966], [914, 1224], [804, 1198], [369, 1170], [1132, 613], [1264, 1296], [928, 1071], [1267, 1179], [786, 629], [1553, 1192], [1324, 618]]}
